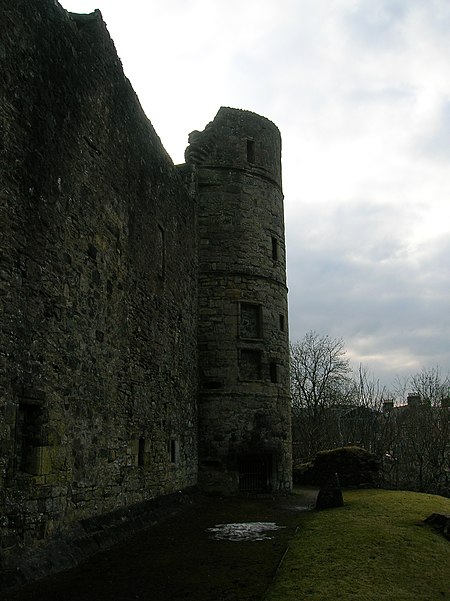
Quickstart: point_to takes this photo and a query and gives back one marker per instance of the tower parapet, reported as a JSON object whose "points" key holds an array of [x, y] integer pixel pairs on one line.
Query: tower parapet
{"points": [[244, 408]]}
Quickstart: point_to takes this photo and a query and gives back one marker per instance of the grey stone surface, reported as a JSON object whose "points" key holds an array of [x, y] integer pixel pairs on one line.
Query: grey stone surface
{"points": [[244, 409]]}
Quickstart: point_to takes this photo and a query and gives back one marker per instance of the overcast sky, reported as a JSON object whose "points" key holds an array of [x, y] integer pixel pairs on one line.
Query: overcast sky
{"points": [[360, 90]]}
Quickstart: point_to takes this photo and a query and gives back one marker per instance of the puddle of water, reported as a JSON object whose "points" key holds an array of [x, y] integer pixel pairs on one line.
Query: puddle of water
{"points": [[303, 508], [243, 531]]}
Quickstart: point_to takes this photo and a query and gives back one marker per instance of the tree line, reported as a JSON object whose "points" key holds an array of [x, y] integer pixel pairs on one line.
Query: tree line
{"points": [[408, 428]]}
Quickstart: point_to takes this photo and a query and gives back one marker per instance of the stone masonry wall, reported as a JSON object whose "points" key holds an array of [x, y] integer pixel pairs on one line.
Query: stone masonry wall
{"points": [[244, 404], [98, 288]]}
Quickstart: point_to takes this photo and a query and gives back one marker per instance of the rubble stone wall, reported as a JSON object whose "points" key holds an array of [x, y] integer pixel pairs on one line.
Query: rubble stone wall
{"points": [[144, 332], [244, 405], [98, 285]]}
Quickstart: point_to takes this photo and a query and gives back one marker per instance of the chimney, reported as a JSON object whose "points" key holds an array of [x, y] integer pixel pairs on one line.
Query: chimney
{"points": [[413, 399], [388, 406]]}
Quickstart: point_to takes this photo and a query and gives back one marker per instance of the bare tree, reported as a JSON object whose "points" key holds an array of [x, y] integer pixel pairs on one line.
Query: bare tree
{"points": [[368, 410], [431, 386], [331, 408], [320, 379]]}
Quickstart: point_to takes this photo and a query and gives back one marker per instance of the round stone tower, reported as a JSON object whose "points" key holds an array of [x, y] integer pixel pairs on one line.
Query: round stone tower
{"points": [[244, 402]]}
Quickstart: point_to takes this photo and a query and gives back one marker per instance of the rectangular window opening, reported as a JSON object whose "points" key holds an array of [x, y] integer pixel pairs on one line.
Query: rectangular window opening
{"points": [[250, 321], [250, 151], [282, 325], [29, 438]]}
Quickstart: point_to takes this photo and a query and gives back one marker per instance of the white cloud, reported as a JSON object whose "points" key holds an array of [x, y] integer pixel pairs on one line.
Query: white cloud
{"points": [[361, 94]]}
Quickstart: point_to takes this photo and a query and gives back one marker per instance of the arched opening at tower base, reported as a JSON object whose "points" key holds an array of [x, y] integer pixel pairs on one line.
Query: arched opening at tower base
{"points": [[255, 473]]}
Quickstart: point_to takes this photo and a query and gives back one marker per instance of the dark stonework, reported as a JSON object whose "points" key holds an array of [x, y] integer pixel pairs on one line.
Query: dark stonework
{"points": [[244, 408], [98, 341], [104, 245]]}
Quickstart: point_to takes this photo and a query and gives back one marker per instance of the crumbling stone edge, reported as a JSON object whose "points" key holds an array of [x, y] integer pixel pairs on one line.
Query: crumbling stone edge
{"points": [[88, 537]]}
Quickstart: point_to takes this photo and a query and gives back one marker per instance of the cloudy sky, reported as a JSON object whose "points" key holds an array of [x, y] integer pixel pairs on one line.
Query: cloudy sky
{"points": [[360, 90]]}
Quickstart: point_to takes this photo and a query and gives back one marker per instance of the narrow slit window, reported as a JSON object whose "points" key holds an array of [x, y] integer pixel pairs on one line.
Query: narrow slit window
{"points": [[173, 450], [273, 372], [141, 452], [282, 326], [161, 252], [250, 151], [274, 248]]}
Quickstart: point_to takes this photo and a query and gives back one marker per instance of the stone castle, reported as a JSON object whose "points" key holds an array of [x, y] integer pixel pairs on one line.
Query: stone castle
{"points": [[144, 331]]}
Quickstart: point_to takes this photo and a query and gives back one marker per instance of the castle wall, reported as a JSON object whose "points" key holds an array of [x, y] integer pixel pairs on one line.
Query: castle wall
{"points": [[244, 404], [126, 284], [98, 285]]}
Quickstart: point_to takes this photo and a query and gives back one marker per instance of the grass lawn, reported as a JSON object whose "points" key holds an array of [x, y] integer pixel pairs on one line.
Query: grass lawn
{"points": [[374, 548]]}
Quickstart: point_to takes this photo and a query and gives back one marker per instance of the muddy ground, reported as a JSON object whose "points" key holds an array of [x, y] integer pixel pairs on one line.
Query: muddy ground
{"points": [[179, 559]]}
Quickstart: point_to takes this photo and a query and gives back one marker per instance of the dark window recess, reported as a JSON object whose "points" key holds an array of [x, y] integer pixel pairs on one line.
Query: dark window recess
{"points": [[212, 384], [250, 151], [250, 364], [214, 463], [250, 321], [92, 251], [173, 451], [161, 252], [141, 452], [255, 473], [28, 437], [274, 249], [273, 372], [282, 326]]}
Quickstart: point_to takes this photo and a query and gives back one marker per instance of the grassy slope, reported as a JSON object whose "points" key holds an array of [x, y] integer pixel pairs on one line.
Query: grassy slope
{"points": [[374, 548]]}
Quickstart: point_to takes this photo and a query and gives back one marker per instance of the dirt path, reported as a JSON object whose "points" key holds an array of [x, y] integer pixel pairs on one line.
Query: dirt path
{"points": [[178, 559]]}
